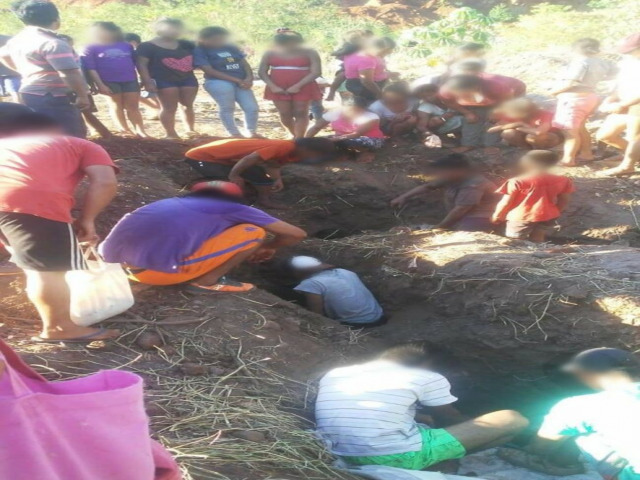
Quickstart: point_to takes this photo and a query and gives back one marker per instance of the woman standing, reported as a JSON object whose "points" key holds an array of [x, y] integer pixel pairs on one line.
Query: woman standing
{"points": [[289, 71], [110, 64], [166, 66], [366, 70], [229, 79]]}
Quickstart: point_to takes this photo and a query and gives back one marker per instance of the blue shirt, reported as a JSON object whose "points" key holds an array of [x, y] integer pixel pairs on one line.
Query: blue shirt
{"points": [[225, 59], [161, 235], [345, 297], [606, 426]]}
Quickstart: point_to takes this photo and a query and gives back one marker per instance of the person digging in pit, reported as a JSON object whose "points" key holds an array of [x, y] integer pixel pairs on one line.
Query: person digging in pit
{"points": [[256, 161], [196, 239], [368, 413], [470, 197], [336, 293], [604, 426]]}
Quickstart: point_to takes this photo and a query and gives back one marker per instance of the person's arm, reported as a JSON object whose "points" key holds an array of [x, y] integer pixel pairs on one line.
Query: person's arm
{"points": [[317, 128], [275, 172], [74, 79], [142, 63], [452, 104], [315, 68], [401, 200], [338, 80], [506, 126], [6, 60], [562, 201], [63, 60], [447, 415], [100, 191], [454, 216], [503, 208], [366, 77], [544, 127], [284, 235], [263, 73], [314, 302], [99, 84], [247, 82], [242, 165]]}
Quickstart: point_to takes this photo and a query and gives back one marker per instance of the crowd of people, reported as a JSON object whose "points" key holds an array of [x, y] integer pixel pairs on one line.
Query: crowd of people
{"points": [[195, 239]]}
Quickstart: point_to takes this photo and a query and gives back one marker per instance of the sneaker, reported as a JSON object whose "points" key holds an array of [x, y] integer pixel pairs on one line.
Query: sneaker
{"points": [[224, 285]]}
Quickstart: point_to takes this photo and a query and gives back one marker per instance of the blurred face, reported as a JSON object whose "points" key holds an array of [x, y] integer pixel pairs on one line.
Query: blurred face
{"points": [[215, 41], [527, 164], [102, 36], [395, 102], [169, 31], [467, 95], [289, 45], [451, 175], [462, 54]]}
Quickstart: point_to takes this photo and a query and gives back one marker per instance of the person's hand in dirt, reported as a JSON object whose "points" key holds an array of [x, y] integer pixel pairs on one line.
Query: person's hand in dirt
{"points": [[263, 254], [278, 186]]}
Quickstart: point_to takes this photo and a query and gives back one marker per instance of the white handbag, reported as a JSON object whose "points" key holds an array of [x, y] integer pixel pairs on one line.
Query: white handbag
{"points": [[98, 293]]}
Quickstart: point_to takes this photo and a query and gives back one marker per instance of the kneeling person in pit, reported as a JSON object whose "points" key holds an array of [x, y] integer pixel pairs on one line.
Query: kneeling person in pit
{"points": [[196, 239]]}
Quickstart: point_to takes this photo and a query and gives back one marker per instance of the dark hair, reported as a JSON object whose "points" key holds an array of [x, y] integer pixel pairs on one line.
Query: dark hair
{"points": [[426, 87], [453, 161], [132, 37], [209, 32], [285, 36], [323, 146], [111, 28], [173, 22], [384, 43], [26, 122], [352, 42], [544, 158], [400, 88], [357, 102], [214, 195], [464, 82], [412, 354], [38, 13], [587, 46], [471, 47]]}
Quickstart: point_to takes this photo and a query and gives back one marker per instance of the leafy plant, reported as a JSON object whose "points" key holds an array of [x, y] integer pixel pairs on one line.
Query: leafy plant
{"points": [[503, 13]]}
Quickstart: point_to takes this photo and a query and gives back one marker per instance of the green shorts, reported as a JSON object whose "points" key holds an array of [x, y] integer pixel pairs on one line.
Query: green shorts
{"points": [[438, 445]]}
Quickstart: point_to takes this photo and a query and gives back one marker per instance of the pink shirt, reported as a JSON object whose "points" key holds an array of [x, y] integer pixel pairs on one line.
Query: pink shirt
{"points": [[344, 126], [355, 63]]}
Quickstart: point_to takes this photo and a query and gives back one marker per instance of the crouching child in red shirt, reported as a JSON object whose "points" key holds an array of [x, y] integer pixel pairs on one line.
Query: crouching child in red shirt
{"points": [[534, 200]]}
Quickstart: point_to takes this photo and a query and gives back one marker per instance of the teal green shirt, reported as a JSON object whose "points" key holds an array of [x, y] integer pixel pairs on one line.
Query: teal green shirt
{"points": [[606, 426]]}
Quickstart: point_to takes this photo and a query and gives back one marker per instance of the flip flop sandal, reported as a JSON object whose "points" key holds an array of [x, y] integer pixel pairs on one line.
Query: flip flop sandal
{"points": [[224, 285], [536, 463], [91, 337]]}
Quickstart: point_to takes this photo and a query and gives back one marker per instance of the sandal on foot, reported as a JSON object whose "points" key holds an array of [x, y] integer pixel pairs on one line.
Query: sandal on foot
{"points": [[91, 337], [224, 285], [536, 463]]}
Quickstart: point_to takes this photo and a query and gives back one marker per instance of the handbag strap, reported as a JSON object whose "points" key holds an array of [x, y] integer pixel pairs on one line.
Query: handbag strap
{"points": [[90, 253]]}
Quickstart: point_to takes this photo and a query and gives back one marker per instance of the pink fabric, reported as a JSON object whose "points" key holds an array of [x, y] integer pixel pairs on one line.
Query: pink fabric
{"points": [[574, 109], [355, 63], [93, 427], [344, 126]]}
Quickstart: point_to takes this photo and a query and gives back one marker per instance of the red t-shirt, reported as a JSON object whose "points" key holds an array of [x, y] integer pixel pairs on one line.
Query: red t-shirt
{"points": [[535, 197], [38, 173]]}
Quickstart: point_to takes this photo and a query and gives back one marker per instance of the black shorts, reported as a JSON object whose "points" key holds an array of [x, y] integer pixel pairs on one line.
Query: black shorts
{"points": [[123, 87], [40, 244], [255, 175]]}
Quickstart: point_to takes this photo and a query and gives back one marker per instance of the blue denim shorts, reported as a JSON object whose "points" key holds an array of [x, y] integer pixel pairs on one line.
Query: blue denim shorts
{"points": [[59, 107]]}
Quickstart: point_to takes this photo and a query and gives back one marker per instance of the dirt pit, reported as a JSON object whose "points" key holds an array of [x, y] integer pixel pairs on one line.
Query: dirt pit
{"points": [[230, 387]]}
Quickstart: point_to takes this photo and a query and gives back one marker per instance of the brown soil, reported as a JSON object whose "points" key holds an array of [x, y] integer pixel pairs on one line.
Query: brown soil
{"points": [[506, 311]]}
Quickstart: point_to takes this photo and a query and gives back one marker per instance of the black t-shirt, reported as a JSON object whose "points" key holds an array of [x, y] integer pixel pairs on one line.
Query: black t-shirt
{"points": [[168, 65]]}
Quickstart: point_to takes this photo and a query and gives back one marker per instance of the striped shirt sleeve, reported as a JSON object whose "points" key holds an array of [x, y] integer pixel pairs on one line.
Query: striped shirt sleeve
{"points": [[436, 392], [60, 55]]}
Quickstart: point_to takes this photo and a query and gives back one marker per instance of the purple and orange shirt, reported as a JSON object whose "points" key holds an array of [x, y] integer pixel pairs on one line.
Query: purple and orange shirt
{"points": [[39, 54]]}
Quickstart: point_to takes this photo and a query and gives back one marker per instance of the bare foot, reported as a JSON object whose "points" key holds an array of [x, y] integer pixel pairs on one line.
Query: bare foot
{"points": [[143, 135], [568, 163], [172, 137], [192, 134], [616, 172], [78, 334], [365, 157], [462, 149]]}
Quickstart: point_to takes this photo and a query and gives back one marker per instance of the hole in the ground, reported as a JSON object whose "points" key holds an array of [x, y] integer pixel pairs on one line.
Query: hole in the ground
{"points": [[333, 233]]}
